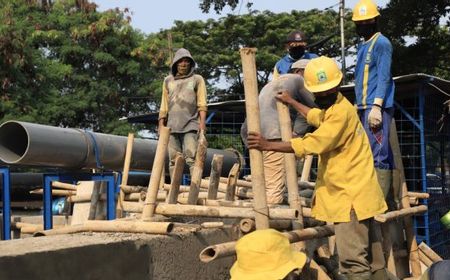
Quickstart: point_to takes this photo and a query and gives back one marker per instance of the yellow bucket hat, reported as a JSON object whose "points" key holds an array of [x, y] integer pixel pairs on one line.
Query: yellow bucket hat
{"points": [[265, 254]]}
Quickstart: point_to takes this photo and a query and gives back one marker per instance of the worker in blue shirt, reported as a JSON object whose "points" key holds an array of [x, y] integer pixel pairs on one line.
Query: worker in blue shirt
{"points": [[296, 48], [374, 88]]}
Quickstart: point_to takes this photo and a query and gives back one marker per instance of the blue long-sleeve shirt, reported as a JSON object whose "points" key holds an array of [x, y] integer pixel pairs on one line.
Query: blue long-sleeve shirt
{"points": [[373, 77], [284, 64]]}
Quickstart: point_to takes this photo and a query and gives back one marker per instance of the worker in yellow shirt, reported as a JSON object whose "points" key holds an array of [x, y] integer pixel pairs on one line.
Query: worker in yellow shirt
{"points": [[347, 191]]}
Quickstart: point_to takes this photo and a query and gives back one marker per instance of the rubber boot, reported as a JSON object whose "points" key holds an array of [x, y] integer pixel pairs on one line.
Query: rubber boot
{"points": [[359, 276]]}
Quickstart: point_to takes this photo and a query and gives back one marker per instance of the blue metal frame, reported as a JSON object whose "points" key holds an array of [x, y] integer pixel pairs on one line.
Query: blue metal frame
{"points": [[6, 199], [112, 188], [423, 158]]}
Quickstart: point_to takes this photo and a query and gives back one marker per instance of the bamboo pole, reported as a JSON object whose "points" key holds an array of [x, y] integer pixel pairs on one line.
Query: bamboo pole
{"points": [[413, 201], [211, 211], [306, 168], [158, 164], [126, 170], [424, 259], [405, 212], [214, 177], [290, 168], [248, 225], [55, 192], [419, 195], [409, 230], [432, 255], [133, 189], [217, 251], [253, 122], [176, 179], [64, 186], [231, 183], [239, 182], [196, 176], [212, 225], [112, 226]]}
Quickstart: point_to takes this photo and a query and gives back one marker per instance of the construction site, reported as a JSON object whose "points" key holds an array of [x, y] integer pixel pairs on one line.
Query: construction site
{"points": [[77, 204]]}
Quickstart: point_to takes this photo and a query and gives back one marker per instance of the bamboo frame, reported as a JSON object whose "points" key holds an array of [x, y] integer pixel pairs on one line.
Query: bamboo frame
{"points": [[432, 255], [383, 218], [196, 176], [214, 177], [231, 183], [55, 192], [64, 186], [176, 177], [126, 170]]}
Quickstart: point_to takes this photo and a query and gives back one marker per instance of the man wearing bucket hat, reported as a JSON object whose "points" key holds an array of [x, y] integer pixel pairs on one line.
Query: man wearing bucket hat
{"points": [[266, 254], [374, 89], [296, 48], [347, 191]]}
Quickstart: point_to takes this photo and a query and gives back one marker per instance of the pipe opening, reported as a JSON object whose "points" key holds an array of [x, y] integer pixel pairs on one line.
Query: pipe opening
{"points": [[13, 142], [208, 254]]}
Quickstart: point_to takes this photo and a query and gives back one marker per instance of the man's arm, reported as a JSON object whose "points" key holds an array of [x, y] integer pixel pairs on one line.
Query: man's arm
{"points": [[256, 141], [286, 98], [202, 121], [201, 103], [163, 110]]}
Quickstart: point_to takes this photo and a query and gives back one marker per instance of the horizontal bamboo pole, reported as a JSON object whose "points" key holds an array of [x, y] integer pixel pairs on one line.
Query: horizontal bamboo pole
{"points": [[29, 227], [419, 195], [112, 226], [211, 211], [413, 201], [424, 259], [383, 218], [306, 184], [55, 192], [239, 182], [64, 186], [249, 225], [133, 189], [217, 251], [432, 255], [212, 225]]}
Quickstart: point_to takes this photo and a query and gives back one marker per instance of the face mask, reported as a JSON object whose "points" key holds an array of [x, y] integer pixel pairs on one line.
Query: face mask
{"points": [[297, 52], [325, 102], [366, 30]]}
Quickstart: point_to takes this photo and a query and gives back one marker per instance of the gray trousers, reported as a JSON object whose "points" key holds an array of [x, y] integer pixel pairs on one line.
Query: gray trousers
{"points": [[359, 246], [185, 143]]}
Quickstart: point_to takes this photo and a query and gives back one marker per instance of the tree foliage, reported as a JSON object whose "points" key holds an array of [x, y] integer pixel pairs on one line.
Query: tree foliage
{"points": [[69, 66]]}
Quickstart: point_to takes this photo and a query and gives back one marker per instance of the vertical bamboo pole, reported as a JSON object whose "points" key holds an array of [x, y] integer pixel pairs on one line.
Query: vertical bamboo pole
{"points": [[231, 184], [214, 177], [409, 231], [290, 168], [196, 176], [158, 164], [176, 179], [126, 170], [253, 121], [306, 168]]}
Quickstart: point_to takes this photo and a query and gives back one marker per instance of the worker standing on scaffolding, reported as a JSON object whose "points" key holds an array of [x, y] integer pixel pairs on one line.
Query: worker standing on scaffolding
{"points": [[183, 108], [374, 89], [347, 192]]}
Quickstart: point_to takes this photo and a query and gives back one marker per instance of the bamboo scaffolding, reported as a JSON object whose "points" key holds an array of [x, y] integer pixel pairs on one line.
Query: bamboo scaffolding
{"points": [[153, 186], [174, 188], [196, 176], [419, 195], [383, 218], [211, 211], [409, 230], [253, 122], [64, 186], [239, 182], [231, 183], [126, 170], [432, 255], [214, 177], [425, 259], [55, 192], [217, 251], [132, 189], [248, 225], [112, 226]]}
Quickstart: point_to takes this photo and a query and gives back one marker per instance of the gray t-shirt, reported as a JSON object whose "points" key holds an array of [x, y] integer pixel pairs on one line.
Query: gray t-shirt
{"points": [[270, 125]]}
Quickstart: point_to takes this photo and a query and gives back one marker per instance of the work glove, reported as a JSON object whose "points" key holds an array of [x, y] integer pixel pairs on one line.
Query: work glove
{"points": [[375, 117]]}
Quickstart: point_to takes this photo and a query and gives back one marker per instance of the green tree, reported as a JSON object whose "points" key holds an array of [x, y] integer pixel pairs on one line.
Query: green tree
{"points": [[67, 64]]}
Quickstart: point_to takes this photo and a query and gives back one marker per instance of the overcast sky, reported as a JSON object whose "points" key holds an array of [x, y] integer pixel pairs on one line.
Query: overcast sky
{"points": [[151, 16]]}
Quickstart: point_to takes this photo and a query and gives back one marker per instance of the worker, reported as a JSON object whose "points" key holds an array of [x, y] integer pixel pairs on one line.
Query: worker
{"points": [[374, 89], [296, 47], [183, 108], [347, 192], [274, 171], [266, 254]]}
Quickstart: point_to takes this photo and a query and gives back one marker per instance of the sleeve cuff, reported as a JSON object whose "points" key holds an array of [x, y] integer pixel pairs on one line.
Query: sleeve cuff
{"points": [[162, 115], [202, 108], [297, 146], [378, 101]]}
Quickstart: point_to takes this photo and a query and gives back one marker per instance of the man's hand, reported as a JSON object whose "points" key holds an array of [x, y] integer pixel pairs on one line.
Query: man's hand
{"points": [[375, 117], [256, 141], [284, 97]]}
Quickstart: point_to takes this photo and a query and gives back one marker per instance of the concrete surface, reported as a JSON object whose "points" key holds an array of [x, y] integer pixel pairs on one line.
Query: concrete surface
{"points": [[114, 256]]}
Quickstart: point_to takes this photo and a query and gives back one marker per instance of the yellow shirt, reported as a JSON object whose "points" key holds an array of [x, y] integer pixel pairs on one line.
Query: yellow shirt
{"points": [[346, 176]]}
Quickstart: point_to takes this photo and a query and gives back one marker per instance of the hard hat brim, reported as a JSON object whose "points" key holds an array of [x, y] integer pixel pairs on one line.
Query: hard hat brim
{"points": [[325, 86]]}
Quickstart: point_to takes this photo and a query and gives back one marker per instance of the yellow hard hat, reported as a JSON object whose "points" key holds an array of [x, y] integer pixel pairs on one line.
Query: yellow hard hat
{"points": [[365, 9], [265, 254], [322, 74]]}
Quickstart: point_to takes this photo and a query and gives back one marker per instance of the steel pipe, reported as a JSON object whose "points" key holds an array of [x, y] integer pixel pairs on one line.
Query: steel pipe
{"points": [[30, 144]]}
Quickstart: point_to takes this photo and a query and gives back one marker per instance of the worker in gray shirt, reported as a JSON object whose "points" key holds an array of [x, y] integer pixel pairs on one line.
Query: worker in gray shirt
{"points": [[270, 126]]}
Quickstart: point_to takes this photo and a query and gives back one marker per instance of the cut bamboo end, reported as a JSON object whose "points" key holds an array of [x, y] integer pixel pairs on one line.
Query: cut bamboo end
{"points": [[383, 218]]}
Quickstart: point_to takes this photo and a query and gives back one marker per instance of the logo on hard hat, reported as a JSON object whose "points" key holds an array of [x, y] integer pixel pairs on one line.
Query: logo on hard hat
{"points": [[321, 76], [363, 10]]}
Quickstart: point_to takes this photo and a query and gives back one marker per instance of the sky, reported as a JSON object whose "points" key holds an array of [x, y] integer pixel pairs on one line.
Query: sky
{"points": [[151, 16]]}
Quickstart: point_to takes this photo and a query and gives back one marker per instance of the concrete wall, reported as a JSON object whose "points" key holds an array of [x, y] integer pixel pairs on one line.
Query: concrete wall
{"points": [[114, 256]]}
